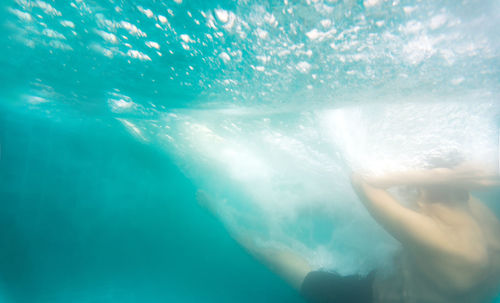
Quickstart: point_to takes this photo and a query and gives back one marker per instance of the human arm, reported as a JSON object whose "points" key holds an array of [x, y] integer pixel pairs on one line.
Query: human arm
{"points": [[287, 264], [409, 227], [465, 176]]}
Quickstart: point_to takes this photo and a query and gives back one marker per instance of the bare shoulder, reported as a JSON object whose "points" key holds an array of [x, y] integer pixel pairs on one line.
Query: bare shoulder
{"points": [[487, 220]]}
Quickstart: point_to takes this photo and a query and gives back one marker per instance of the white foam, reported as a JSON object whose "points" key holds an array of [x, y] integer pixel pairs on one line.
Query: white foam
{"points": [[263, 59], [371, 3], [21, 15], [222, 15], [411, 27], [119, 105], [186, 38], [60, 45], [110, 37], [263, 34], [438, 21], [457, 81], [162, 19], [67, 23], [303, 67], [53, 34], [419, 49], [132, 53], [318, 35], [36, 99], [290, 170], [225, 57], [133, 128], [132, 29], [326, 23], [409, 9], [47, 8], [313, 34], [152, 44], [147, 12]]}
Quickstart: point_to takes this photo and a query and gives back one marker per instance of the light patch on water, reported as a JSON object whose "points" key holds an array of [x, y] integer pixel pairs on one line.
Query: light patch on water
{"points": [[409, 9], [60, 45], [270, 19], [243, 165], [132, 29], [53, 34], [303, 67], [225, 57], [326, 23], [109, 37], [186, 38], [263, 59], [132, 128], [228, 19], [259, 68], [370, 3], [411, 27], [162, 19], [152, 44], [438, 21], [371, 135], [147, 12], [419, 49], [315, 34], [263, 34], [102, 50], [21, 15], [36, 100], [457, 81], [120, 103], [132, 53], [47, 8], [222, 15], [67, 23]]}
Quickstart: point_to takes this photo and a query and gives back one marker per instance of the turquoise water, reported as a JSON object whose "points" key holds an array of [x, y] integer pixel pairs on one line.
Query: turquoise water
{"points": [[114, 113]]}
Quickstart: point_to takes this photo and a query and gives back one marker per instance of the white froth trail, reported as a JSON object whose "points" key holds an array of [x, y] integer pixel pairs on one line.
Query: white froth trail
{"points": [[283, 165]]}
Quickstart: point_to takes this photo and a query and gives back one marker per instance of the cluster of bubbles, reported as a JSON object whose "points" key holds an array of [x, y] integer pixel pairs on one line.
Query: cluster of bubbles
{"points": [[259, 51]]}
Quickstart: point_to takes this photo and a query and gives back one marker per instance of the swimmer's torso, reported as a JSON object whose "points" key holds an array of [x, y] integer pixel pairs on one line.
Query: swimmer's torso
{"points": [[438, 277]]}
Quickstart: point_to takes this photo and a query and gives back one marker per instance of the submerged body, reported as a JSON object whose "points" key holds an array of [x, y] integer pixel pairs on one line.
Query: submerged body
{"points": [[469, 273], [450, 245]]}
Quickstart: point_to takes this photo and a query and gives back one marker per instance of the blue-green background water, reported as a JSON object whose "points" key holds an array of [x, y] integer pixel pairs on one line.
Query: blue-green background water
{"points": [[89, 215], [114, 113]]}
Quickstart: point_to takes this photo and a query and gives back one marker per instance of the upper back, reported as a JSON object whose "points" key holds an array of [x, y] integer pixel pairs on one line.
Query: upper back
{"points": [[474, 230]]}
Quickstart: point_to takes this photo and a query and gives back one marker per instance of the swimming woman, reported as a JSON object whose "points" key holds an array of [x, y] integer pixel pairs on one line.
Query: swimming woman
{"points": [[450, 244]]}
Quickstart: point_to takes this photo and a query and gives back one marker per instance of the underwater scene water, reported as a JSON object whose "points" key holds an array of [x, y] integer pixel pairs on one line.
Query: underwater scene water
{"points": [[114, 114]]}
